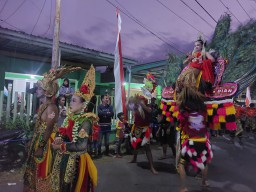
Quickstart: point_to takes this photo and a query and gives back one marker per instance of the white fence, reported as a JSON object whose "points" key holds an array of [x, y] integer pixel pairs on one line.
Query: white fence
{"points": [[24, 105]]}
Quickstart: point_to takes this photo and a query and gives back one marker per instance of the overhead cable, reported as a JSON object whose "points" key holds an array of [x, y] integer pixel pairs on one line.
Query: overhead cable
{"points": [[38, 17], [150, 31], [3, 6], [10, 25], [143, 25], [197, 14], [206, 11], [180, 17], [13, 13], [243, 9], [50, 21], [230, 11]]}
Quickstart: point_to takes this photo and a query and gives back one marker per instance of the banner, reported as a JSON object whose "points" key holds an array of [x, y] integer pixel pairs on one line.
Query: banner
{"points": [[120, 104]]}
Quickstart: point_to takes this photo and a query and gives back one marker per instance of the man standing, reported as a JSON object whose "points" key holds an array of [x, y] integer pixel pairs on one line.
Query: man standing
{"points": [[105, 113]]}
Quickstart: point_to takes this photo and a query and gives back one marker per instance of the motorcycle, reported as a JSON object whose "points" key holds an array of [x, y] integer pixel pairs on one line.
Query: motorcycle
{"points": [[12, 149]]}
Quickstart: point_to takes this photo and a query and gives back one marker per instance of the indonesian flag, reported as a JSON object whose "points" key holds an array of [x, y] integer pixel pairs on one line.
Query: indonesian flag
{"points": [[119, 72], [248, 99]]}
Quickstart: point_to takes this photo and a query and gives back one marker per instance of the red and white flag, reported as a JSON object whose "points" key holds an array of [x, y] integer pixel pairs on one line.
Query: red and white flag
{"points": [[248, 99], [120, 104]]}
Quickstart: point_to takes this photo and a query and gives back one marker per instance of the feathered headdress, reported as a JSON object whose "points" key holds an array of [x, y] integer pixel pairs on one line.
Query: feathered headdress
{"points": [[88, 85], [49, 83]]}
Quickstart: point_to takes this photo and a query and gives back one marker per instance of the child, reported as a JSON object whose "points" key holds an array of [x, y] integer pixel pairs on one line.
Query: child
{"points": [[120, 127]]}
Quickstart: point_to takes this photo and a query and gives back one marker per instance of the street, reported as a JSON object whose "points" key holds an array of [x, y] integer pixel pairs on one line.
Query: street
{"points": [[233, 169]]}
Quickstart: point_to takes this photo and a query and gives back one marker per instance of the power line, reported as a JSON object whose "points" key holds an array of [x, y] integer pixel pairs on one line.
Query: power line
{"points": [[197, 14], [38, 17], [14, 11], [230, 11], [180, 17], [10, 25], [206, 11], [50, 23], [3, 6], [243, 9], [253, 6], [145, 27], [140, 21]]}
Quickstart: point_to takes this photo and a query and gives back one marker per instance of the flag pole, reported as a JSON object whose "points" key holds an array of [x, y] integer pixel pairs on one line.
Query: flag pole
{"points": [[120, 104]]}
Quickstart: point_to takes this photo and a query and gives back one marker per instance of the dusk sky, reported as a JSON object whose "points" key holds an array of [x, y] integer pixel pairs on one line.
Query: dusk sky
{"points": [[93, 24]]}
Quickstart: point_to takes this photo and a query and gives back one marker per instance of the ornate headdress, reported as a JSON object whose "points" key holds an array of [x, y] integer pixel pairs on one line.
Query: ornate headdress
{"points": [[88, 85], [150, 85], [49, 83], [201, 39]]}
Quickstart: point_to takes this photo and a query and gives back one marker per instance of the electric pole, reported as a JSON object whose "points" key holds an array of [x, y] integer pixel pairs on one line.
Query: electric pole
{"points": [[55, 43]]}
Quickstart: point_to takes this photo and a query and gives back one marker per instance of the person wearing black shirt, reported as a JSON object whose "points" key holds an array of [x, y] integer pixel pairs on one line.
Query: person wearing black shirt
{"points": [[105, 113]]}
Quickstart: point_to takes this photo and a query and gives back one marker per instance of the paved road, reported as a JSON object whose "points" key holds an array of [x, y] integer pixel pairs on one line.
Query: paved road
{"points": [[233, 169]]}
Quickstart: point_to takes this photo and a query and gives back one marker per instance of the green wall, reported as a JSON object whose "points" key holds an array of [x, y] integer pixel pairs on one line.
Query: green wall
{"points": [[23, 66]]}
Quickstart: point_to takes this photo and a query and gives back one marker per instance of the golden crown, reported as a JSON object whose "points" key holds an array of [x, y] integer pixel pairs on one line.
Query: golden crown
{"points": [[49, 83], [88, 85]]}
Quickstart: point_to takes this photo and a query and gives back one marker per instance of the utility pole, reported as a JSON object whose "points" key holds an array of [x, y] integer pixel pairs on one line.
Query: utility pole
{"points": [[55, 43]]}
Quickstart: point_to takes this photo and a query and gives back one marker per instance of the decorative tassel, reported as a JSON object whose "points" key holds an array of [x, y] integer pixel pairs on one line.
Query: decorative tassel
{"points": [[208, 106], [230, 118], [176, 108], [231, 126], [229, 104], [216, 126], [175, 114], [230, 110], [222, 119], [216, 119], [171, 108], [210, 112], [215, 105], [221, 111]]}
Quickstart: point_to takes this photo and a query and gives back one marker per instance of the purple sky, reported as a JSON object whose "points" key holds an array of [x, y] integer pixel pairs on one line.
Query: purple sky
{"points": [[93, 24]]}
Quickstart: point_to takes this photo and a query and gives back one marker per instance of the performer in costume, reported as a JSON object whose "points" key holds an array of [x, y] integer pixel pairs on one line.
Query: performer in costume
{"points": [[141, 131], [39, 162], [73, 168], [199, 67], [195, 144]]}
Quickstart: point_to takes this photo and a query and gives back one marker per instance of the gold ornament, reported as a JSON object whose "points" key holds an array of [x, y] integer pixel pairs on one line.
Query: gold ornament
{"points": [[87, 88], [49, 83]]}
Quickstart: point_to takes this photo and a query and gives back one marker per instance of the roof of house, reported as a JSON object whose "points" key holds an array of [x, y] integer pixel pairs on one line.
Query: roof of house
{"points": [[22, 45]]}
